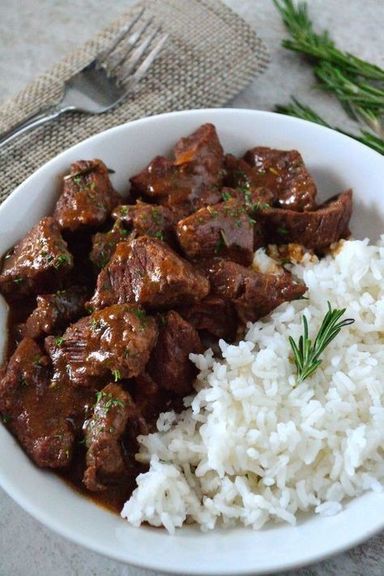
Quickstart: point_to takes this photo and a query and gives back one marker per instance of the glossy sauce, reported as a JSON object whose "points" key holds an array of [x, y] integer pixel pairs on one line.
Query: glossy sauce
{"points": [[114, 497]]}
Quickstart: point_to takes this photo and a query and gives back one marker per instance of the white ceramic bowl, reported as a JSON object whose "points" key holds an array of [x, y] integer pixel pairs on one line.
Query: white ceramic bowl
{"points": [[337, 162]]}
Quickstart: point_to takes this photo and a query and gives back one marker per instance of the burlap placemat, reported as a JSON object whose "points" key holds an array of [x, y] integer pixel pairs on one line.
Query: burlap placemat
{"points": [[211, 54]]}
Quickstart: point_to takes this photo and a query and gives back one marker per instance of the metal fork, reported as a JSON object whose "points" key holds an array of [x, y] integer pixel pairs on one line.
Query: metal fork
{"points": [[107, 80]]}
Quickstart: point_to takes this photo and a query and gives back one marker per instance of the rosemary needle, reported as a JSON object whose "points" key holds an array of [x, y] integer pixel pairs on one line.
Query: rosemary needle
{"points": [[307, 355]]}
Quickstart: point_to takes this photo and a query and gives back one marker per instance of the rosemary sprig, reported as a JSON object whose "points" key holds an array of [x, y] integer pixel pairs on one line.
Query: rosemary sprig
{"points": [[361, 100], [356, 83], [299, 110], [348, 89], [320, 46], [306, 354]]}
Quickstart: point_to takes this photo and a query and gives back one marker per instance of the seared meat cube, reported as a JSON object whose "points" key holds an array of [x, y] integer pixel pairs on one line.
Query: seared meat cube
{"points": [[87, 198], [44, 418], [285, 174], [213, 315], [104, 431], [148, 272], [223, 229], [150, 399], [203, 146], [39, 262], [316, 229], [104, 244], [193, 179], [242, 182], [116, 340], [55, 311], [148, 219], [169, 365], [253, 294], [156, 180]]}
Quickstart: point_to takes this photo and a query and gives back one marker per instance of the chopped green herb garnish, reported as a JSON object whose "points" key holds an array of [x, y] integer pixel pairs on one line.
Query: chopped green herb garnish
{"points": [[59, 341], [37, 360], [159, 235], [226, 196], [214, 213], [5, 418], [18, 280], [109, 400], [220, 244], [141, 315], [260, 206], [306, 354], [282, 231], [246, 191], [96, 324], [116, 375], [61, 260], [123, 210], [156, 216]]}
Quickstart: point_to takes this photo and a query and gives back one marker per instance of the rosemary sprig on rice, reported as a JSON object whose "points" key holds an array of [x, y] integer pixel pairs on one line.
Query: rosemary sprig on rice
{"points": [[305, 354]]}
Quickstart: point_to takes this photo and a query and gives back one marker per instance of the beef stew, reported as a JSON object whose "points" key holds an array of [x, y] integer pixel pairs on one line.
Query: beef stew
{"points": [[109, 296]]}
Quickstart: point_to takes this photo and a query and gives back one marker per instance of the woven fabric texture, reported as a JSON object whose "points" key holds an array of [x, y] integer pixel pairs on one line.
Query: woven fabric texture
{"points": [[210, 55]]}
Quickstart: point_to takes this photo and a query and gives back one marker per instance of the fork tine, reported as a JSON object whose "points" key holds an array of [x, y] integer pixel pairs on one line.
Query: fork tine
{"points": [[121, 36], [136, 55], [135, 37], [132, 42], [143, 68]]}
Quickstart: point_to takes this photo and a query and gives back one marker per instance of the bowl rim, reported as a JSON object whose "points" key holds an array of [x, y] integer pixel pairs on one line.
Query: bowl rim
{"points": [[44, 516]]}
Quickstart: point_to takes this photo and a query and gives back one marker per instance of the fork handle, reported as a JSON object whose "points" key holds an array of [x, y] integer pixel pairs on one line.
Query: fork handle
{"points": [[33, 121]]}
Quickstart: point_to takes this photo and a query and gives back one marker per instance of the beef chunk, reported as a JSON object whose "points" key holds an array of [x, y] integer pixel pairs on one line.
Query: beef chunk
{"points": [[104, 431], [169, 365], [39, 262], [116, 340], [316, 229], [150, 399], [87, 198], [284, 173], [104, 244], [213, 315], [43, 417], [242, 182], [193, 179], [147, 271], [253, 294], [55, 311], [224, 229], [148, 220]]}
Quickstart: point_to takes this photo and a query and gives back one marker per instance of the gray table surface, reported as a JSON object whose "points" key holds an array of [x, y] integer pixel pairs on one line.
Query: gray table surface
{"points": [[34, 34]]}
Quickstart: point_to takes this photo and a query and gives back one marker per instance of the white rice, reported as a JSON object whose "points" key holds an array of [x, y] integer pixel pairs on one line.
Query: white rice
{"points": [[252, 446]]}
